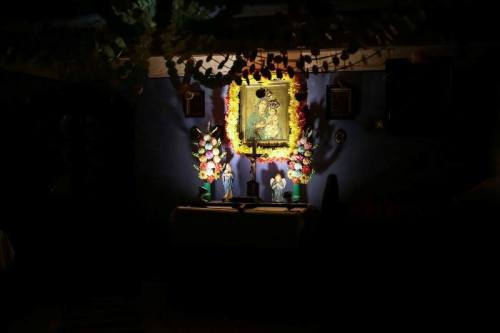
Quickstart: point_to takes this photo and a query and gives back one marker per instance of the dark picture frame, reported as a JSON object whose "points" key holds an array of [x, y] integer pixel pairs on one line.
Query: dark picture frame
{"points": [[193, 103], [339, 102]]}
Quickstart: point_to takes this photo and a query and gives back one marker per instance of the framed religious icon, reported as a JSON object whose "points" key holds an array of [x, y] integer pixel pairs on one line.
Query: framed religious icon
{"points": [[338, 102], [193, 103], [265, 112]]}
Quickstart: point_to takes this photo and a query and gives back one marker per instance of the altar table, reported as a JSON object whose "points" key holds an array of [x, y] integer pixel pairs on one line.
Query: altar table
{"points": [[221, 226]]}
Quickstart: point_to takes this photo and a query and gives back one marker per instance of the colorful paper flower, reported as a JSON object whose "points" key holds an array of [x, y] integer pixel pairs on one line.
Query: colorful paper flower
{"points": [[299, 166], [209, 154]]}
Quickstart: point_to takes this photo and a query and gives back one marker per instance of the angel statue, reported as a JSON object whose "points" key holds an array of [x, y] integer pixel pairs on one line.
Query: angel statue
{"points": [[278, 184], [227, 182]]}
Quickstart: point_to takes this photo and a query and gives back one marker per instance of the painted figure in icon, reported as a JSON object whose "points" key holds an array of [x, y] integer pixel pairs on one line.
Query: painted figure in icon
{"points": [[227, 182], [278, 184], [263, 122], [272, 127]]}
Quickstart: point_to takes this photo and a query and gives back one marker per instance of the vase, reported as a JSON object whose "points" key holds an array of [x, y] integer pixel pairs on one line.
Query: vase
{"points": [[207, 196], [296, 193]]}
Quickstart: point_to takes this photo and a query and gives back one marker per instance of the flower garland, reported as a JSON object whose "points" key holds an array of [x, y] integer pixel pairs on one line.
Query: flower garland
{"points": [[296, 119], [209, 154], [300, 168]]}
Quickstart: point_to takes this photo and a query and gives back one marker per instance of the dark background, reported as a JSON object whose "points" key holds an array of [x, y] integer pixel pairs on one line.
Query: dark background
{"points": [[90, 177]]}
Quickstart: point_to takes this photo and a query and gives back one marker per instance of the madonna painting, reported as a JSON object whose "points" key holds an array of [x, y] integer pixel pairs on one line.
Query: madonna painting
{"points": [[264, 114]]}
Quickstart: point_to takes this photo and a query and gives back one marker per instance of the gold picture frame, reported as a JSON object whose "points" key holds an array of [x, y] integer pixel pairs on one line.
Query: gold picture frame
{"points": [[265, 118]]}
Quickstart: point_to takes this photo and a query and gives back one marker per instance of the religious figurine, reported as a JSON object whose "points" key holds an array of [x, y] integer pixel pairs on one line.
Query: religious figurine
{"points": [[227, 182], [278, 184]]}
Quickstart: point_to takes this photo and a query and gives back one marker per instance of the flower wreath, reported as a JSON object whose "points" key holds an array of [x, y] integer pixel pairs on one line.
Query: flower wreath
{"points": [[296, 118]]}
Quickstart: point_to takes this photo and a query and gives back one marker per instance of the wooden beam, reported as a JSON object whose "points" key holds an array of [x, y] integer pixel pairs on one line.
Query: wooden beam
{"points": [[371, 59]]}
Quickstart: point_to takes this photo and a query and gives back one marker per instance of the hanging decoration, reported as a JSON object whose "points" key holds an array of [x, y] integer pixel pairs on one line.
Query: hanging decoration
{"points": [[126, 34], [296, 119]]}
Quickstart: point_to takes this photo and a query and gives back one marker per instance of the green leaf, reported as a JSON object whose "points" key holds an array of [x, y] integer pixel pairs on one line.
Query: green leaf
{"points": [[120, 42], [108, 52]]}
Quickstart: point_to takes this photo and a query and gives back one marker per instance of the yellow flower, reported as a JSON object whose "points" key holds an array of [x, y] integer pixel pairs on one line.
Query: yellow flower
{"points": [[232, 113], [202, 174], [304, 179]]}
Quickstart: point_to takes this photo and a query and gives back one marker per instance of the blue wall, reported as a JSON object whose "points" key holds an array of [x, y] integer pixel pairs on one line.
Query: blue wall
{"points": [[163, 149], [371, 164]]}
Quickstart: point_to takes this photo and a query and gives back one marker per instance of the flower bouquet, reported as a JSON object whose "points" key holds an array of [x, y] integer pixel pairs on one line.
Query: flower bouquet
{"points": [[209, 156], [300, 168]]}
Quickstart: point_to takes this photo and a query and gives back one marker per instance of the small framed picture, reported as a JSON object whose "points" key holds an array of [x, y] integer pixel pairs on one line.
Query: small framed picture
{"points": [[338, 102], [193, 103]]}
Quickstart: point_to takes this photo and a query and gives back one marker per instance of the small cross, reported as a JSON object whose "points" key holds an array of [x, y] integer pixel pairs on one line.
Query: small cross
{"points": [[253, 160]]}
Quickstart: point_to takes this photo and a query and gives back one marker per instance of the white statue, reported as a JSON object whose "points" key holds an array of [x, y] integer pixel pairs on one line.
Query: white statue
{"points": [[278, 184]]}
